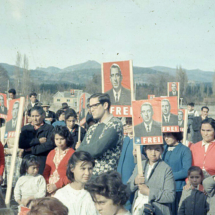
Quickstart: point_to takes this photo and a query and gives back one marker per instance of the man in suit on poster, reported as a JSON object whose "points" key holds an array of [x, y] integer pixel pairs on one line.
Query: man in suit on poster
{"points": [[148, 127], [82, 110], [3, 109], [169, 119], [174, 91], [180, 118], [119, 95], [11, 124]]}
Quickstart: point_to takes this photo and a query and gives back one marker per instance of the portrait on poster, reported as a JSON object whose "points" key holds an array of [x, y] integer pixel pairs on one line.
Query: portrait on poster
{"points": [[181, 119], [3, 105], [82, 107], [12, 117], [169, 106], [147, 121], [173, 89], [117, 82]]}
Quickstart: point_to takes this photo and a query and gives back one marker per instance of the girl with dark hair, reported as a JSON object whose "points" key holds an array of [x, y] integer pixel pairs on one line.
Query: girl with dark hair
{"points": [[179, 158], [60, 116], [71, 118], [30, 185], [109, 194], [57, 159], [73, 195]]}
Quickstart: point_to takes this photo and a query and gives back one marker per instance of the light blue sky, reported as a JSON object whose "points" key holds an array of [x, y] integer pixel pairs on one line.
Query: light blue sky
{"points": [[150, 32]]}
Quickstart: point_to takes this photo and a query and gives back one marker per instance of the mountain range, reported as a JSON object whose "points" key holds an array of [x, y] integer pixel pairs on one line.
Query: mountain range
{"points": [[83, 72]]}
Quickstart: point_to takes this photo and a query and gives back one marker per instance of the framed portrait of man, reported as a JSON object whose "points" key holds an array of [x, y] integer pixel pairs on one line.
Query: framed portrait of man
{"points": [[169, 107], [147, 121], [3, 106], [173, 89], [117, 82], [12, 117]]}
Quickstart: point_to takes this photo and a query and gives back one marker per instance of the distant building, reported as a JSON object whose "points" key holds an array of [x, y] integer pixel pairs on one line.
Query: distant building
{"points": [[70, 97]]}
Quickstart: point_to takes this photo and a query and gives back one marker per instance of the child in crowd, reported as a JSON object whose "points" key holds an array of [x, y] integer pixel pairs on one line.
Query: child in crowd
{"points": [[73, 195], [30, 185], [193, 200], [71, 118], [109, 194], [57, 159]]}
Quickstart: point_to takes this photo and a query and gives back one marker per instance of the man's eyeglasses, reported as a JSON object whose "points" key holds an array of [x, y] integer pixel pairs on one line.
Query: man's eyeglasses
{"points": [[94, 106]]}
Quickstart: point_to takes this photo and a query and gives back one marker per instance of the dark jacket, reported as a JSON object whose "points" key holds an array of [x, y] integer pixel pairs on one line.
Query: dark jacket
{"points": [[193, 202], [74, 133], [196, 126], [37, 103], [29, 138]]}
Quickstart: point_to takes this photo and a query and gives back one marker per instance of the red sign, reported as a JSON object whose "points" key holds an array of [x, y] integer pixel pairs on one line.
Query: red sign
{"points": [[181, 119], [147, 122], [117, 82]]}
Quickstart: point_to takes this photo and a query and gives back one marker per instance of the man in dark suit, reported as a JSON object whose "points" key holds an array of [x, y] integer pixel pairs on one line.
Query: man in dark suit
{"points": [[168, 118], [118, 94], [11, 124], [82, 110], [174, 91], [3, 109], [148, 127], [180, 118]]}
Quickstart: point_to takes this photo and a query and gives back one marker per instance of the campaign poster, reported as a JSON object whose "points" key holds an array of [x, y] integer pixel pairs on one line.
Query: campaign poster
{"points": [[151, 96], [173, 89], [169, 106], [117, 82], [82, 108], [12, 117], [181, 119], [147, 122], [3, 106]]}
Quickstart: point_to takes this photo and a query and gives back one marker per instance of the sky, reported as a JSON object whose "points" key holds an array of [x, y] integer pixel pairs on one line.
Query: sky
{"points": [[149, 32]]}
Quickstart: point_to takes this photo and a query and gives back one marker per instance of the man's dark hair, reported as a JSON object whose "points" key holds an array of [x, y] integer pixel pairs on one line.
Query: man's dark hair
{"points": [[191, 104], [12, 91], [204, 107], [32, 94], [102, 97]]}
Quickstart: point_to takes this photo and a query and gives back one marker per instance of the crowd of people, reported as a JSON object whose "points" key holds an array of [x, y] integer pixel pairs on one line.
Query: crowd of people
{"points": [[68, 169]]}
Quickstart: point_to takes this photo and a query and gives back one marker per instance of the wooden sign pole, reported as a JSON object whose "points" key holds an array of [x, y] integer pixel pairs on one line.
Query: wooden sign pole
{"points": [[15, 149], [139, 161], [185, 127]]}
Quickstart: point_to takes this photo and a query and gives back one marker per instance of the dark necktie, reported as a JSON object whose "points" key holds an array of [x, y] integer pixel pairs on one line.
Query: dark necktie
{"points": [[117, 97], [148, 128]]}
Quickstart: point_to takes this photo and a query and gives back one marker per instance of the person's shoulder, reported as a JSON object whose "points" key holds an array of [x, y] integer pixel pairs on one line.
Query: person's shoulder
{"points": [[115, 120], [47, 126], [155, 123], [109, 91], [28, 127], [163, 165]]}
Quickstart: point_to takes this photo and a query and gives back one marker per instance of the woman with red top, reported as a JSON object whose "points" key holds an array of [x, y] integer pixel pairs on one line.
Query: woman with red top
{"points": [[203, 152], [57, 159]]}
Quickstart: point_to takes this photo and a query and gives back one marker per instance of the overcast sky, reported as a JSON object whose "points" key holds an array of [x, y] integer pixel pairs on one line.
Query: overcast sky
{"points": [[149, 32]]}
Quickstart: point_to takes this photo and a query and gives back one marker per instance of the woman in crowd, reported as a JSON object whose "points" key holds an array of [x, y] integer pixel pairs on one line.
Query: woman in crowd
{"points": [[71, 118], [57, 159], [60, 117], [179, 158], [109, 194], [203, 152], [155, 191], [73, 195], [35, 137]]}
